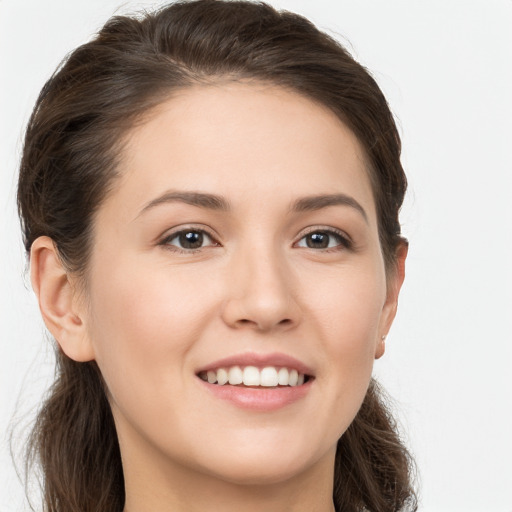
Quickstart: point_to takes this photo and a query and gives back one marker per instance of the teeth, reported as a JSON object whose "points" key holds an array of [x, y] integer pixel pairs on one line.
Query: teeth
{"points": [[269, 377], [235, 375], [253, 376], [222, 376], [283, 376]]}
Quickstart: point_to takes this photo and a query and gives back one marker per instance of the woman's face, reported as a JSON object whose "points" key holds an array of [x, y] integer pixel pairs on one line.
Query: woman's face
{"points": [[242, 233]]}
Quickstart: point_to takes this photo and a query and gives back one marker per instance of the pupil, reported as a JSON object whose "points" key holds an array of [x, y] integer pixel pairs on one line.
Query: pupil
{"points": [[317, 240], [191, 240]]}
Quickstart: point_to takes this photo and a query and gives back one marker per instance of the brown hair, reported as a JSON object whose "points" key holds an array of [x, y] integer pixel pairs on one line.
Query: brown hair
{"points": [[73, 141]]}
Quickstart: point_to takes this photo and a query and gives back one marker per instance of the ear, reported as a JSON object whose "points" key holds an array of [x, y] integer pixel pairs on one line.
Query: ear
{"points": [[394, 284], [58, 300]]}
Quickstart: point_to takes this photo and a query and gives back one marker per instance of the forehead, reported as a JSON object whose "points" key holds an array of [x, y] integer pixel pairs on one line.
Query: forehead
{"points": [[242, 140]]}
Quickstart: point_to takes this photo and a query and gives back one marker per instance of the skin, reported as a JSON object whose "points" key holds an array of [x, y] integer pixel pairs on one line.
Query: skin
{"points": [[152, 313]]}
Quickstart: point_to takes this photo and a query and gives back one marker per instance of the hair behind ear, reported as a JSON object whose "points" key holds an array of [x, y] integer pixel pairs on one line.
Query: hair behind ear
{"points": [[373, 469], [75, 430]]}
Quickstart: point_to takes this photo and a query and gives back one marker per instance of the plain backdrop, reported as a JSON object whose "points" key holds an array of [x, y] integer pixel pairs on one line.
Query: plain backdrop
{"points": [[446, 69]]}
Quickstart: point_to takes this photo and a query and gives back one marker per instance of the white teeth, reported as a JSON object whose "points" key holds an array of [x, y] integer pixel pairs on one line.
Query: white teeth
{"points": [[222, 376], [235, 375], [269, 377], [253, 376], [283, 376]]}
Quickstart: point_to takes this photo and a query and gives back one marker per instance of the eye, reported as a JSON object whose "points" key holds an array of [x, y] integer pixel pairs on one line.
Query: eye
{"points": [[188, 240], [324, 239]]}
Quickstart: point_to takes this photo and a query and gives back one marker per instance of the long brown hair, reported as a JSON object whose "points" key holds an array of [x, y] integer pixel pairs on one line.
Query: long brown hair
{"points": [[72, 144]]}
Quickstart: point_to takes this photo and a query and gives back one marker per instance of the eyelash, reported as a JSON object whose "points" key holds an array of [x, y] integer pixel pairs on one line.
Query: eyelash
{"points": [[344, 241], [169, 238]]}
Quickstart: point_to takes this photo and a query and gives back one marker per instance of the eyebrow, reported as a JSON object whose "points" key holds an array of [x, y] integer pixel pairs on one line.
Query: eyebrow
{"points": [[312, 203], [199, 199], [219, 203]]}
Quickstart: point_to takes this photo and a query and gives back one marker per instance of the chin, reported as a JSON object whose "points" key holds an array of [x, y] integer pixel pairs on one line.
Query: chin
{"points": [[264, 474], [263, 467]]}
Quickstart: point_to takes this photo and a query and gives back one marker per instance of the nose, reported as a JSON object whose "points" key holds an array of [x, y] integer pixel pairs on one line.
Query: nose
{"points": [[261, 293]]}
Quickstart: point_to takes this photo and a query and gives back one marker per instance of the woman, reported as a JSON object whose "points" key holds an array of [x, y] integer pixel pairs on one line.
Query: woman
{"points": [[209, 195]]}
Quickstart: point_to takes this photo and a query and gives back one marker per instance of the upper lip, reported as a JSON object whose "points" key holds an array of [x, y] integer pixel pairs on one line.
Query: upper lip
{"points": [[260, 360]]}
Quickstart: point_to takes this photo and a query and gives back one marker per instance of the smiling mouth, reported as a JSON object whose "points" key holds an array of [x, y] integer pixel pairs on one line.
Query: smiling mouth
{"points": [[254, 377]]}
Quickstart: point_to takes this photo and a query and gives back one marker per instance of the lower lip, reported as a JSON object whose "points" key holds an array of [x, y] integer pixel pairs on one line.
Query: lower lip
{"points": [[259, 399]]}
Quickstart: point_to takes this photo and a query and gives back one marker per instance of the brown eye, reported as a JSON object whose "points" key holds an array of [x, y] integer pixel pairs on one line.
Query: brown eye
{"points": [[323, 239], [189, 239], [317, 240]]}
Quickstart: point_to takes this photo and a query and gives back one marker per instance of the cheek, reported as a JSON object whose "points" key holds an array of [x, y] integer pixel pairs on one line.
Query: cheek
{"points": [[348, 307], [347, 313], [143, 323]]}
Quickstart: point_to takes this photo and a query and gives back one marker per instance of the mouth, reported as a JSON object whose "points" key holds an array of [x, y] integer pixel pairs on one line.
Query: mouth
{"points": [[255, 377]]}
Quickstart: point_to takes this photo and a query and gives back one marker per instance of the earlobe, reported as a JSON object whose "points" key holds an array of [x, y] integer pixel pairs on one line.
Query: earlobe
{"points": [[381, 347], [389, 310], [56, 297]]}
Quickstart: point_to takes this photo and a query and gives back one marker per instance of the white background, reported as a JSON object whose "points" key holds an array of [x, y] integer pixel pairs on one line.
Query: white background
{"points": [[446, 69]]}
